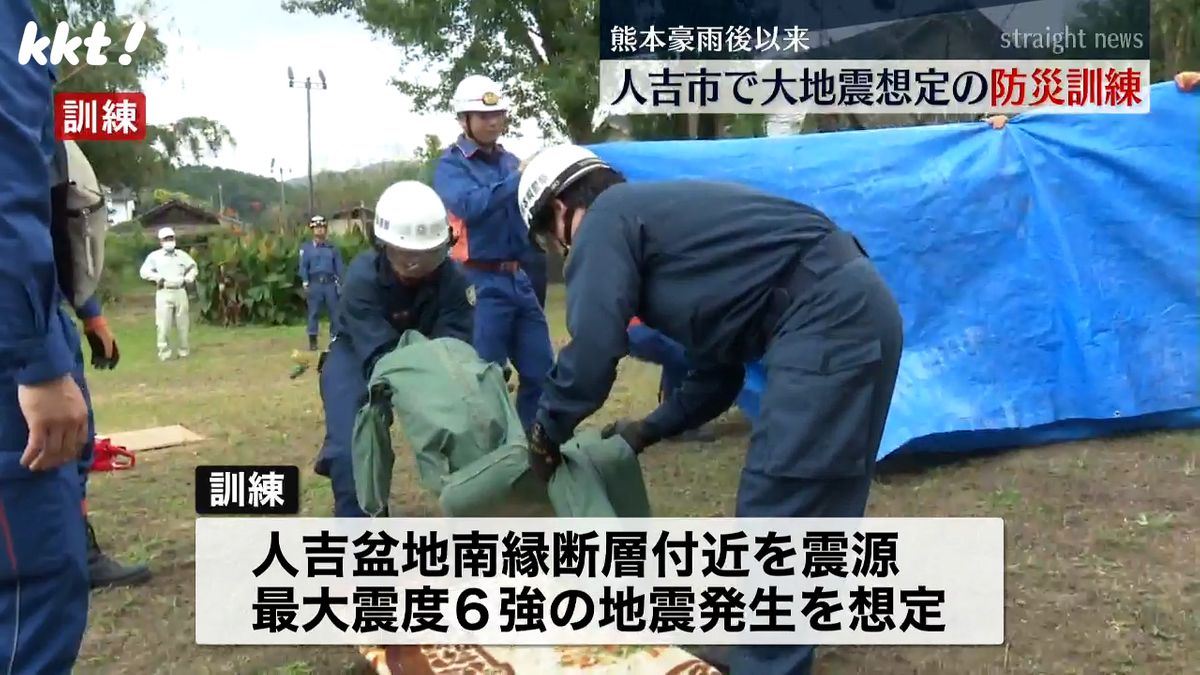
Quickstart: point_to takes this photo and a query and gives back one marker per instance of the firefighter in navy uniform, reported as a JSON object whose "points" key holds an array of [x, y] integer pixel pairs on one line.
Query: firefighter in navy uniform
{"points": [[320, 271], [43, 412], [477, 181], [407, 283], [733, 274]]}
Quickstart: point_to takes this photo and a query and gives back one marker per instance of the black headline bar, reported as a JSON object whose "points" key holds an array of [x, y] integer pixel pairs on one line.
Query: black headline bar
{"points": [[876, 29]]}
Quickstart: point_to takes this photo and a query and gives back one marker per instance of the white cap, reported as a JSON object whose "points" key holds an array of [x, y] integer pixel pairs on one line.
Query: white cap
{"points": [[411, 216], [165, 232], [477, 93], [551, 171]]}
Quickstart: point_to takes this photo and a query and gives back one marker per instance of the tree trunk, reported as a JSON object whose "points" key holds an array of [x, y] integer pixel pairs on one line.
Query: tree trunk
{"points": [[578, 125], [707, 127]]}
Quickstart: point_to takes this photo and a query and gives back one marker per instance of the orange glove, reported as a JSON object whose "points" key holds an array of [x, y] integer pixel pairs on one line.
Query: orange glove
{"points": [[105, 354], [1187, 80]]}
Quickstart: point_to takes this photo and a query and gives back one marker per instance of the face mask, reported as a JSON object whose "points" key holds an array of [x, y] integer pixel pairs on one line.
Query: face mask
{"points": [[168, 246]]}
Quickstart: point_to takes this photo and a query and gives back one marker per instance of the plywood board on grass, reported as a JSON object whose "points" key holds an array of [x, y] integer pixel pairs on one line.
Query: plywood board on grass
{"points": [[153, 438]]}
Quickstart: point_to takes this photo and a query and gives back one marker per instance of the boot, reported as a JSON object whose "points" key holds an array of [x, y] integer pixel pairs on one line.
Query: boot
{"points": [[312, 343], [106, 572]]}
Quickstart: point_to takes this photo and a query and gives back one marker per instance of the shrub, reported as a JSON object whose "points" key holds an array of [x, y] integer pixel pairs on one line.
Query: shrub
{"points": [[252, 278]]}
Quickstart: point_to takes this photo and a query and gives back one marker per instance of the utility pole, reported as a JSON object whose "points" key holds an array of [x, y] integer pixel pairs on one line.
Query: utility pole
{"points": [[221, 200], [308, 87]]}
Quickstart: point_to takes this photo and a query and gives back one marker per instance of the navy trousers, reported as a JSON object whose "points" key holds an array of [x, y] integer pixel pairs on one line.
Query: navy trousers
{"points": [[343, 392], [831, 370], [44, 584], [322, 296], [511, 326], [535, 267]]}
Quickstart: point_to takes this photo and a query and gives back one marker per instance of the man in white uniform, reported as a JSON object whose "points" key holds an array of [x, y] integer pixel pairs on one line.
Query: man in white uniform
{"points": [[170, 270]]}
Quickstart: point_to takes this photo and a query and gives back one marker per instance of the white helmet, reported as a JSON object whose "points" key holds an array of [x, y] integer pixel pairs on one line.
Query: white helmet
{"points": [[477, 93], [87, 193], [165, 232], [551, 171], [411, 216]]}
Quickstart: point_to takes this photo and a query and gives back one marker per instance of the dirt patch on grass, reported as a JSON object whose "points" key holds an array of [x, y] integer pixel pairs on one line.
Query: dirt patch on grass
{"points": [[1102, 536]]}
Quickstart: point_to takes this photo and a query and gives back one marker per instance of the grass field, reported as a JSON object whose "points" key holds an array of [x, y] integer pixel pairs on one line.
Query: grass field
{"points": [[1102, 537]]}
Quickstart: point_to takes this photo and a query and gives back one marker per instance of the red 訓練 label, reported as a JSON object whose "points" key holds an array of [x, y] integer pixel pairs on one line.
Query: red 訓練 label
{"points": [[82, 116]]}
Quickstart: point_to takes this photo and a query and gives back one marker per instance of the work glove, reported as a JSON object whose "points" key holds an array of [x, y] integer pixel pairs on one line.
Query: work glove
{"points": [[105, 353], [544, 454], [636, 433], [162, 283]]}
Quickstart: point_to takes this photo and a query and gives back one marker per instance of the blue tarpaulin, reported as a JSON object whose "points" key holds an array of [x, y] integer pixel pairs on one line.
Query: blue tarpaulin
{"points": [[1047, 271]]}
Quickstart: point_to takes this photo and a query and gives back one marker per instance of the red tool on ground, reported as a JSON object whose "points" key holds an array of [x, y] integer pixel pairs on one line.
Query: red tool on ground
{"points": [[109, 457]]}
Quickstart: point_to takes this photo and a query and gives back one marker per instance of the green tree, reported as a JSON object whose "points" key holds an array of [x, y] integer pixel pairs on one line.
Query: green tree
{"points": [[555, 85], [1174, 30], [427, 156], [250, 195], [133, 164], [161, 196], [338, 190]]}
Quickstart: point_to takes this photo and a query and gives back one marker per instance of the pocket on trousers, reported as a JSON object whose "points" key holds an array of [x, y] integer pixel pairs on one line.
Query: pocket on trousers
{"points": [[36, 521], [817, 409]]}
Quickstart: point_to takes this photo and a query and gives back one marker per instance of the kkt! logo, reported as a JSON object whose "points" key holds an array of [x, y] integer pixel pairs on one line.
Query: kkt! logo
{"points": [[64, 45]]}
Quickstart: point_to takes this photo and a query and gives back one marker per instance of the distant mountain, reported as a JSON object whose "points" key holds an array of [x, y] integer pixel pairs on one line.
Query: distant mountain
{"points": [[248, 195], [255, 199], [375, 169]]}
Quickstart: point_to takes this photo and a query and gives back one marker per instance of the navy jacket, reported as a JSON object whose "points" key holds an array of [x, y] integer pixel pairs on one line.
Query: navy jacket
{"points": [[698, 261], [376, 308], [480, 192], [323, 258]]}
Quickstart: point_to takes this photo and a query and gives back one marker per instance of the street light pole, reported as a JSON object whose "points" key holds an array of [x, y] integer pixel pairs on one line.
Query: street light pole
{"points": [[308, 100], [308, 87]]}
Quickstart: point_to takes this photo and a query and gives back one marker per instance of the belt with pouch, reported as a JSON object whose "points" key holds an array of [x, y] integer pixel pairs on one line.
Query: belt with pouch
{"points": [[830, 254], [322, 279], [497, 266]]}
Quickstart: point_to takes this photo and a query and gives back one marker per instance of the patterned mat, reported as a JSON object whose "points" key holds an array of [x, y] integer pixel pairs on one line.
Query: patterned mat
{"points": [[475, 660]]}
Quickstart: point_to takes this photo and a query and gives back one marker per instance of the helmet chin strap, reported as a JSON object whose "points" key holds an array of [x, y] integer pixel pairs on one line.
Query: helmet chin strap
{"points": [[568, 235], [568, 226]]}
